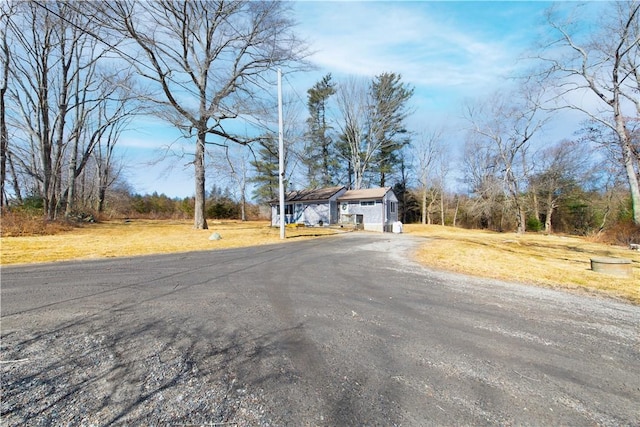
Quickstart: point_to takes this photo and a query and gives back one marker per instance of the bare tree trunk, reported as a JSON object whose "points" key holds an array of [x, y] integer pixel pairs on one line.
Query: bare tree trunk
{"points": [[243, 208], [628, 159], [243, 194], [455, 214], [14, 180], [200, 218], [71, 179], [522, 220], [4, 134], [424, 206], [534, 196], [430, 210], [442, 208], [550, 209]]}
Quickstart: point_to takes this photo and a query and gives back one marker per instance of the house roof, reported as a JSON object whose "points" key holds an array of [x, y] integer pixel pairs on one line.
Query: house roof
{"points": [[369, 193], [316, 194], [321, 194]]}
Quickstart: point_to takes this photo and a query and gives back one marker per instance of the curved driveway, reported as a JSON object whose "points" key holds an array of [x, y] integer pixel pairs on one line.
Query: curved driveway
{"points": [[336, 331]]}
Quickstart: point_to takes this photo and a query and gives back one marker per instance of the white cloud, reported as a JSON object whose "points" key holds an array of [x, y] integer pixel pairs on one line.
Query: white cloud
{"points": [[365, 38]]}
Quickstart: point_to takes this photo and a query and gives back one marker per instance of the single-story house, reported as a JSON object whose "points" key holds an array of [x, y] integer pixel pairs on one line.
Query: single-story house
{"points": [[374, 209]]}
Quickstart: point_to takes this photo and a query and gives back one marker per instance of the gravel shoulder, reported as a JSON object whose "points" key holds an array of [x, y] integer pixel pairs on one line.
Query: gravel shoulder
{"points": [[343, 330]]}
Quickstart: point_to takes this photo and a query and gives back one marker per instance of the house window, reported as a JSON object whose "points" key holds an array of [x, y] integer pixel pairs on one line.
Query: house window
{"points": [[288, 209], [393, 207], [367, 202]]}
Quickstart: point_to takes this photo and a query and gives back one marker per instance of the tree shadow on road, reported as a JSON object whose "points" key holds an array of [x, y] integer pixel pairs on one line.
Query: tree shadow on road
{"points": [[102, 369]]}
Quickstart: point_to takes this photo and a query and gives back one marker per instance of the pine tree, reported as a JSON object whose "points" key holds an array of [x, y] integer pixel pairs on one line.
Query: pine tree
{"points": [[389, 110], [320, 158], [266, 167]]}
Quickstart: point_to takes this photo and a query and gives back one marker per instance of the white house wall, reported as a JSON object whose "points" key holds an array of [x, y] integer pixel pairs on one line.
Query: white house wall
{"points": [[314, 213], [378, 217], [307, 213]]}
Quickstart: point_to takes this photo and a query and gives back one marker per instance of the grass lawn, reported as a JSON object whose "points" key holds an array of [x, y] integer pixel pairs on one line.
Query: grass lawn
{"points": [[143, 237], [546, 260], [552, 261]]}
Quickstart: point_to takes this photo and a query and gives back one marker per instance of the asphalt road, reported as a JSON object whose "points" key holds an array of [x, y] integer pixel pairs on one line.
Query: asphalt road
{"points": [[339, 331]]}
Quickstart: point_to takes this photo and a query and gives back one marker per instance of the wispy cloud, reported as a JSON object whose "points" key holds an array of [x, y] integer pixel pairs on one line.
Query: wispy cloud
{"points": [[425, 45]]}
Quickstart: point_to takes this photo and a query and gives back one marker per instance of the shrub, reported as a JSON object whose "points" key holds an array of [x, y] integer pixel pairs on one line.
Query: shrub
{"points": [[621, 233], [534, 224], [23, 222]]}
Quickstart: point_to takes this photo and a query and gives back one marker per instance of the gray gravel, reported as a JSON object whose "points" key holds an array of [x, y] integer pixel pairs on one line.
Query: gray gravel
{"points": [[144, 373], [335, 331]]}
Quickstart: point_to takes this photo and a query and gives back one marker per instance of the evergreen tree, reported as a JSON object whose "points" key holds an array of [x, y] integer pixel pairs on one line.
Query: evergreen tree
{"points": [[320, 158], [389, 97], [266, 167]]}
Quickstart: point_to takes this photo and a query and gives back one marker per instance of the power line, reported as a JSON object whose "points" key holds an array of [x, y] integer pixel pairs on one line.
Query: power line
{"points": [[294, 89]]}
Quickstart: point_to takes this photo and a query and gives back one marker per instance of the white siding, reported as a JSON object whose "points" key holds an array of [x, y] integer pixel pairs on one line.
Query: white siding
{"points": [[376, 214], [316, 212], [372, 214], [308, 213]]}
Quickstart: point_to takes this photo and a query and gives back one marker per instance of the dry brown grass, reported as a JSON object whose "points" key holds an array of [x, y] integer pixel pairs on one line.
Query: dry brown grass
{"points": [[19, 223], [547, 260], [142, 237], [553, 261]]}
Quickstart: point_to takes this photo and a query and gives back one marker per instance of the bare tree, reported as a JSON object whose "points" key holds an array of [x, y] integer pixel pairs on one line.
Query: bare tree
{"points": [[428, 150], [33, 62], [210, 61], [231, 165], [442, 171], [371, 125], [560, 167], [481, 172], [606, 64], [6, 10], [351, 98], [97, 121], [57, 93], [106, 170], [508, 122]]}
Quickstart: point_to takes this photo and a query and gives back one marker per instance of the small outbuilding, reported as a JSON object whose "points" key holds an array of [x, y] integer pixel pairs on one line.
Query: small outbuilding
{"points": [[374, 209]]}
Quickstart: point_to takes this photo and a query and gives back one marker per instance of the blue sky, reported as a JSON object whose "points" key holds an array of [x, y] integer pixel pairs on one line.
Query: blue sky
{"points": [[449, 51]]}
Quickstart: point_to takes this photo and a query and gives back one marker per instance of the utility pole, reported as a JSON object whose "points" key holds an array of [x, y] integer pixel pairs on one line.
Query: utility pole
{"points": [[281, 157]]}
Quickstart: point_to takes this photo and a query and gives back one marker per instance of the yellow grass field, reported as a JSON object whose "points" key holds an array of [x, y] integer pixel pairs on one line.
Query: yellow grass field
{"points": [[552, 261], [143, 237], [546, 260]]}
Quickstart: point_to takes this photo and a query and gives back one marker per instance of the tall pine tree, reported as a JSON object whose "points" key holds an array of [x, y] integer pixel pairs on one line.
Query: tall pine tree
{"points": [[389, 97], [320, 159]]}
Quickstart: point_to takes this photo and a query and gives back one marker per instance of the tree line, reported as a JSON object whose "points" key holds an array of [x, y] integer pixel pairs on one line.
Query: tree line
{"points": [[76, 74], [510, 175]]}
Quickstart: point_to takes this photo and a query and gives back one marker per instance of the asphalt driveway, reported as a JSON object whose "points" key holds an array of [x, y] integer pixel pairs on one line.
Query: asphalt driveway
{"points": [[335, 331]]}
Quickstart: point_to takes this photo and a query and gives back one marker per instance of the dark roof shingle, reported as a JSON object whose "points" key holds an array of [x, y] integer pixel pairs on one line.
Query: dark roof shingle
{"points": [[317, 194]]}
